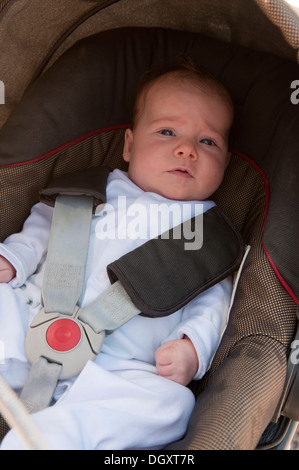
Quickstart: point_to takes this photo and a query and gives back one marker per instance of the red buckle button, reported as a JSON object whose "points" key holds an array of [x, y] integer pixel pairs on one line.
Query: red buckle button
{"points": [[63, 335]]}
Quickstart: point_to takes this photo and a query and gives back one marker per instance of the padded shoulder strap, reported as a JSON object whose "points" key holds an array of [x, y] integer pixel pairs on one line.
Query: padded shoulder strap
{"points": [[161, 276], [90, 182]]}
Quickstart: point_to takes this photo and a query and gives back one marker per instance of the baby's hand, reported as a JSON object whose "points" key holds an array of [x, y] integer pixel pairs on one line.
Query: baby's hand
{"points": [[177, 360], [7, 271]]}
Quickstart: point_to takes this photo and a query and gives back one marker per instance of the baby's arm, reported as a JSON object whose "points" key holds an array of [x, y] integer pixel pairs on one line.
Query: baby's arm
{"points": [[202, 325], [177, 360], [26, 249], [7, 271]]}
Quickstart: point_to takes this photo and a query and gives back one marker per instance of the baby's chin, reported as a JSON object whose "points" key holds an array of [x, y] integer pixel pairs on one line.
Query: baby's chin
{"points": [[175, 192], [178, 195]]}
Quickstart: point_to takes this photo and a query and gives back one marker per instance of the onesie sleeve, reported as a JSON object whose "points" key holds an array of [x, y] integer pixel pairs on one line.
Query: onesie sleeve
{"points": [[204, 321], [25, 250]]}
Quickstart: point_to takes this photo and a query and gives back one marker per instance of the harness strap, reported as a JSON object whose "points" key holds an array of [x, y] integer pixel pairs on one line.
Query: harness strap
{"points": [[67, 254], [38, 391], [109, 310], [63, 337]]}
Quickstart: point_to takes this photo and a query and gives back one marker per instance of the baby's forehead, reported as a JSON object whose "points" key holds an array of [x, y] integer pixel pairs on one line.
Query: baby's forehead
{"points": [[172, 83], [172, 80], [165, 92], [175, 81]]}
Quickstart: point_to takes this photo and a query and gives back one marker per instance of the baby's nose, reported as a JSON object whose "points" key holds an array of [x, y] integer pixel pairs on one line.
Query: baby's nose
{"points": [[187, 150]]}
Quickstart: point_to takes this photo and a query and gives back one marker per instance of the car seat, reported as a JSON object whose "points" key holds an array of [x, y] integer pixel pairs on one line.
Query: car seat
{"points": [[74, 116]]}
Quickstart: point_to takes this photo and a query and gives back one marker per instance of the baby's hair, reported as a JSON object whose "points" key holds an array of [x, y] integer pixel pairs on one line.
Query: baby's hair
{"points": [[182, 69]]}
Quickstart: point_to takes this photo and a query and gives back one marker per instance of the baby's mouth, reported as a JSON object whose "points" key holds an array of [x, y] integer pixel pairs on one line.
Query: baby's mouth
{"points": [[181, 172]]}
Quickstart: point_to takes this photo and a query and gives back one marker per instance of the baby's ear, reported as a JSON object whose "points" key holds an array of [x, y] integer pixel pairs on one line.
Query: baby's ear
{"points": [[128, 145]]}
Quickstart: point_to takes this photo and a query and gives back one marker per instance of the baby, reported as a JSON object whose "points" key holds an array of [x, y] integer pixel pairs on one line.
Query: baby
{"points": [[133, 395], [177, 148]]}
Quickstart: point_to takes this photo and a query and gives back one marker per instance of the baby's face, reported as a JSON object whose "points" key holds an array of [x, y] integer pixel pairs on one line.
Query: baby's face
{"points": [[179, 146]]}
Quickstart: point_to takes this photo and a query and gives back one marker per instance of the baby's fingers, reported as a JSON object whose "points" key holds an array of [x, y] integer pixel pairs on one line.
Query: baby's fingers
{"points": [[163, 355], [166, 370], [7, 271]]}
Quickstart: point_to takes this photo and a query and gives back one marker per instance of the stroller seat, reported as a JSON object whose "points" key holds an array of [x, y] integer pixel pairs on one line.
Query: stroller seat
{"points": [[74, 116]]}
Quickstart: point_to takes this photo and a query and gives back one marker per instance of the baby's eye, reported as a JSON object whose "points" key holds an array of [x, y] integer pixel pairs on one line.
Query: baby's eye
{"points": [[167, 132], [207, 142]]}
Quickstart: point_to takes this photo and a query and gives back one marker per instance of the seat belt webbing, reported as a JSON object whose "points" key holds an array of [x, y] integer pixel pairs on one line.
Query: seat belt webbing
{"points": [[39, 388], [109, 310], [67, 253]]}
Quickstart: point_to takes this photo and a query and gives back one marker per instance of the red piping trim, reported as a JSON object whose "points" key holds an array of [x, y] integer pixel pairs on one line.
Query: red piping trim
{"points": [[68, 144], [267, 191]]}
